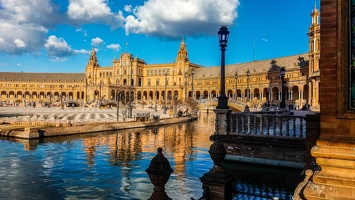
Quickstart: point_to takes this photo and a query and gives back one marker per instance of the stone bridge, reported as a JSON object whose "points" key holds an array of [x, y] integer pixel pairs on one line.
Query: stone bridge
{"points": [[235, 105]]}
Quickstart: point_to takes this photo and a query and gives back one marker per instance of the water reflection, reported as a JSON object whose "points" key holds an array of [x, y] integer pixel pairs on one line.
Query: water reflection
{"points": [[111, 165], [108, 165]]}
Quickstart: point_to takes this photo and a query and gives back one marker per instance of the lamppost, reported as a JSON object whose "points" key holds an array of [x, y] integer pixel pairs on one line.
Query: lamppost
{"points": [[192, 83], [268, 96], [86, 93], [25, 98], [156, 96], [223, 34], [118, 98], [236, 85], [72, 97], [50, 93], [166, 76], [248, 92], [61, 93], [100, 92], [186, 86], [282, 73]]}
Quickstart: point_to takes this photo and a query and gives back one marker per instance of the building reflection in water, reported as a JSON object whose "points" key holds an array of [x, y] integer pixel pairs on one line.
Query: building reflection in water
{"points": [[111, 165], [124, 147], [185, 145]]}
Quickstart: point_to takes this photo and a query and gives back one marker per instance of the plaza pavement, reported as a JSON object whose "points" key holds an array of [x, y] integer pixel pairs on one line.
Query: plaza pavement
{"points": [[81, 114]]}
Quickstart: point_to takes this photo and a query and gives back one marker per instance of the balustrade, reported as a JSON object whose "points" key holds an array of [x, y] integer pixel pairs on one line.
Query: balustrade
{"points": [[266, 124]]}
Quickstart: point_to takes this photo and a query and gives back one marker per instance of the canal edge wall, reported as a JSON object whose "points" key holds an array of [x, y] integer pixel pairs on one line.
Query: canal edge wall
{"points": [[41, 132]]}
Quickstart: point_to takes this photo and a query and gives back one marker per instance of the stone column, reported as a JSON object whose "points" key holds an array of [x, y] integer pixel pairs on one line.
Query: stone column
{"points": [[222, 119], [216, 183], [291, 95], [299, 94]]}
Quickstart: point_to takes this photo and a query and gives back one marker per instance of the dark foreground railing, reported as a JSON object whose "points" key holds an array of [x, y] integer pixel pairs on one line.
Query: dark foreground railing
{"points": [[285, 125]]}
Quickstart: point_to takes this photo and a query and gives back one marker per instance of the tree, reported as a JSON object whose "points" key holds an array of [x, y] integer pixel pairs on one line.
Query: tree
{"points": [[37, 116], [192, 105], [176, 105], [45, 118], [55, 118], [30, 115], [70, 118]]}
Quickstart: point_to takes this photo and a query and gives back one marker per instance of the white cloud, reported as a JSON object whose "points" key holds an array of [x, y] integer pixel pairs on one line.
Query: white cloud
{"points": [[58, 49], [265, 40], [172, 18], [14, 37], [97, 41], [42, 12], [20, 43], [24, 24], [81, 30], [94, 11], [115, 47], [128, 8], [82, 51]]}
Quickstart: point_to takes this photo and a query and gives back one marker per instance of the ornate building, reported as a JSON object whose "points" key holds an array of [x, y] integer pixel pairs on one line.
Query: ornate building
{"points": [[256, 82]]}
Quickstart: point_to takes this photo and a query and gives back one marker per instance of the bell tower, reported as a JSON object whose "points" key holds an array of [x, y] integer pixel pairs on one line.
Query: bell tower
{"points": [[182, 53], [182, 59], [91, 68], [314, 55]]}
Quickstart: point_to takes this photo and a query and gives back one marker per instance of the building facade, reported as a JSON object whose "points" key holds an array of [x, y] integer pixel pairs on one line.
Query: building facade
{"points": [[257, 82]]}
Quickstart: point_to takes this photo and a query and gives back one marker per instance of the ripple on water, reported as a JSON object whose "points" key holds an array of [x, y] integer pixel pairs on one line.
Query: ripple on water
{"points": [[106, 165]]}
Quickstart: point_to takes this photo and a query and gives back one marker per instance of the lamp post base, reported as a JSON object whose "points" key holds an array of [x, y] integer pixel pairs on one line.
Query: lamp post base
{"points": [[222, 102], [282, 105], [246, 108]]}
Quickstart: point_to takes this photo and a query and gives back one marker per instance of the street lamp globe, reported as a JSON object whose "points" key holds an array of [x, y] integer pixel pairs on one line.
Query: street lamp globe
{"points": [[223, 34], [282, 72]]}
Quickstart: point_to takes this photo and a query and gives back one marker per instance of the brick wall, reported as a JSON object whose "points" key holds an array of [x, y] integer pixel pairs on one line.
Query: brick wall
{"points": [[333, 57]]}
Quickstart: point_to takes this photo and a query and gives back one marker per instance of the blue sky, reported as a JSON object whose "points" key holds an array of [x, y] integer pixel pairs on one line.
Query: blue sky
{"points": [[58, 35]]}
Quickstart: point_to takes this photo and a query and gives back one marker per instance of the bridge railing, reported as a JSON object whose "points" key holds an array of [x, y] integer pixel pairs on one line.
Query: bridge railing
{"points": [[266, 124]]}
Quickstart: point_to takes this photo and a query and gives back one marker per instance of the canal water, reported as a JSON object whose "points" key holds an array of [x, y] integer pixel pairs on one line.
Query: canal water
{"points": [[111, 165]]}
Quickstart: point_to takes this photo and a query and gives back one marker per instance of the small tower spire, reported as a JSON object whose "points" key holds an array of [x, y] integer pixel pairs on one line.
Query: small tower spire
{"points": [[126, 47], [315, 15], [93, 58], [182, 53]]}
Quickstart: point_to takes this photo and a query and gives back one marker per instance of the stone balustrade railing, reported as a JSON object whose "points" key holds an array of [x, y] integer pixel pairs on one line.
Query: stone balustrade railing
{"points": [[267, 124]]}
